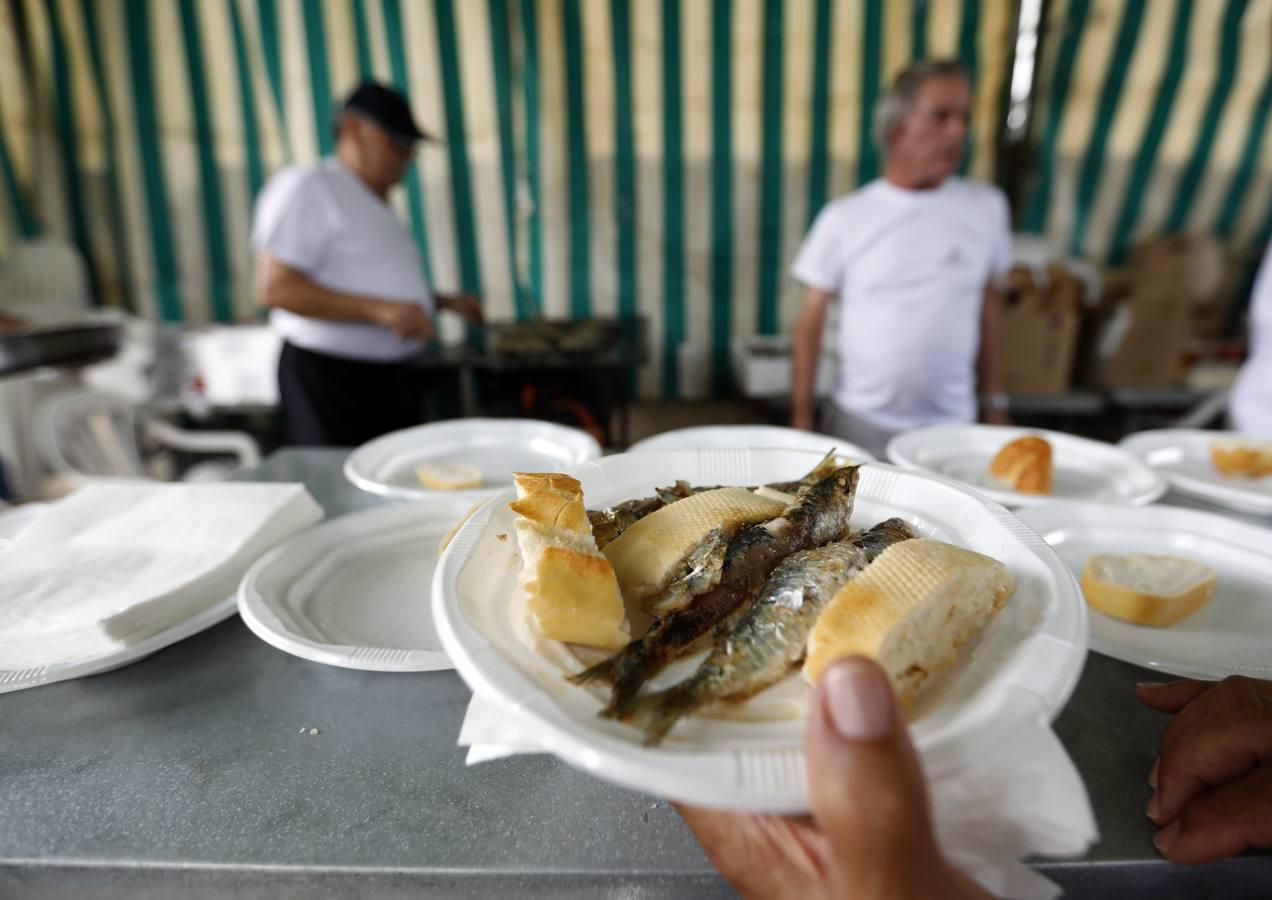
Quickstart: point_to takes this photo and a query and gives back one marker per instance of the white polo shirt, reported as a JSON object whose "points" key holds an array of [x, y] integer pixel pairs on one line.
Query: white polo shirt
{"points": [[909, 269], [324, 221], [1251, 402]]}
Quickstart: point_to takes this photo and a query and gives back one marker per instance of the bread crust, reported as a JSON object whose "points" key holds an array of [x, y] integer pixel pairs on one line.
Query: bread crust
{"points": [[572, 593], [1025, 464], [1142, 607], [1243, 459], [912, 609]]}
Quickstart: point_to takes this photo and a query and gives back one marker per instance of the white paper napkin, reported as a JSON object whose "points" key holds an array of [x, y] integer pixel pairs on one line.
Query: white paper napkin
{"points": [[1027, 800], [116, 563]]}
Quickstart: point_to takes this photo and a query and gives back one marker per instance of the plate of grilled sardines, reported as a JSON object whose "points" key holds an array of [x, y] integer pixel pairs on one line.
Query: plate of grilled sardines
{"points": [[660, 619]]}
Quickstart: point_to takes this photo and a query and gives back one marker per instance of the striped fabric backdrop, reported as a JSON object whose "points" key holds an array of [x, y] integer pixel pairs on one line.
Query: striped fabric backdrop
{"points": [[1151, 118], [603, 156]]}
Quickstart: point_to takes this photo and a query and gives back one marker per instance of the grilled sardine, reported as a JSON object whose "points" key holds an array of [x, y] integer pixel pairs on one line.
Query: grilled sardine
{"points": [[608, 524], [768, 641], [818, 516]]}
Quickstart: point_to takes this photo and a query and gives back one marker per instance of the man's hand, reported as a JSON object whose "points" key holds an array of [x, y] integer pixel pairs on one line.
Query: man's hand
{"points": [[407, 320], [869, 837], [466, 306], [1212, 785]]}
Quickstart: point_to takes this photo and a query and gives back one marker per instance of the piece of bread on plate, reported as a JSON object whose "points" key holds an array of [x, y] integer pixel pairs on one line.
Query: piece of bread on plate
{"points": [[910, 610], [1025, 465], [1242, 458], [1147, 589], [448, 476], [571, 591], [648, 554]]}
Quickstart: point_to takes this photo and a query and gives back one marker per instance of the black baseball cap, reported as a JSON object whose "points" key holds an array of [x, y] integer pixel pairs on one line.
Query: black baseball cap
{"points": [[388, 109]]}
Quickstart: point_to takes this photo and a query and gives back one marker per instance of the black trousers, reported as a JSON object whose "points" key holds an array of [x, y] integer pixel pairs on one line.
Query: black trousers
{"points": [[330, 401]]}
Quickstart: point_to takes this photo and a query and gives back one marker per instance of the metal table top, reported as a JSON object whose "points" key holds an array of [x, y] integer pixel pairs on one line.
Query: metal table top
{"points": [[188, 774]]}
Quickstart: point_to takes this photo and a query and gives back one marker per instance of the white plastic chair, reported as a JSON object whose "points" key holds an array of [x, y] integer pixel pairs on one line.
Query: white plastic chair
{"points": [[45, 281], [1206, 411], [89, 434]]}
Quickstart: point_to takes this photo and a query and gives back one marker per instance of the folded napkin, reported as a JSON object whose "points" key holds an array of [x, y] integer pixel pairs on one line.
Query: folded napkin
{"points": [[1024, 799], [117, 563]]}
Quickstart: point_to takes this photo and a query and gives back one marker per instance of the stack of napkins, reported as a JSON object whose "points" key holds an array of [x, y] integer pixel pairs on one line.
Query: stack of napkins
{"points": [[1027, 800], [119, 564]]}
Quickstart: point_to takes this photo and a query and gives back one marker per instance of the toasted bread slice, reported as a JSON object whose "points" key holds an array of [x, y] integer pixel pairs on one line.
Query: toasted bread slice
{"points": [[1248, 459], [646, 555], [1147, 589], [448, 476], [910, 610], [571, 591]]}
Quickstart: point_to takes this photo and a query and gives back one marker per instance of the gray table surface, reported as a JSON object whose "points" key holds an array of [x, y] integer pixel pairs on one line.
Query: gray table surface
{"points": [[186, 774]]}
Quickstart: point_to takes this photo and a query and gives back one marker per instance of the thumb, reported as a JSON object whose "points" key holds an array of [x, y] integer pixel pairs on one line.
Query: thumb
{"points": [[864, 781]]}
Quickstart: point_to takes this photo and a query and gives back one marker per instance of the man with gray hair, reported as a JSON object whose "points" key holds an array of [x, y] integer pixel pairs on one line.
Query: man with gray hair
{"points": [[910, 258]]}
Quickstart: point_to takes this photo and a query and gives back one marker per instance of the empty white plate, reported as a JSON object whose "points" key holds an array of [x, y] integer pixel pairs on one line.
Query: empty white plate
{"points": [[498, 447], [354, 592], [1228, 636], [1182, 455], [1083, 469], [751, 437]]}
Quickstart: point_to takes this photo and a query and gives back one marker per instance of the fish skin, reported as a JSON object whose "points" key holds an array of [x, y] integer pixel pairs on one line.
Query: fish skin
{"points": [[608, 524], [769, 639], [818, 516]]}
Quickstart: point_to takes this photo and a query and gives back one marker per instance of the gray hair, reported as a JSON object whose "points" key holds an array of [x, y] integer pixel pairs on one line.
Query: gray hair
{"points": [[891, 111]]}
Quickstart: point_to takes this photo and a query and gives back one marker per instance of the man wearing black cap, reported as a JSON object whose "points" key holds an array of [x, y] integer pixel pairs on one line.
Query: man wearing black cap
{"points": [[344, 281]]}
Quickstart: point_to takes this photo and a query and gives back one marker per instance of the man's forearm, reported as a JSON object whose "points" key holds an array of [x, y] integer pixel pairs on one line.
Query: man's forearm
{"points": [[317, 302], [989, 372], [805, 356], [279, 286]]}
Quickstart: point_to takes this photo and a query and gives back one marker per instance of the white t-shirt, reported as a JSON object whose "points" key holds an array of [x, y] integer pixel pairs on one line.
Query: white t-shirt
{"points": [[909, 269], [1251, 402], [324, 221]]}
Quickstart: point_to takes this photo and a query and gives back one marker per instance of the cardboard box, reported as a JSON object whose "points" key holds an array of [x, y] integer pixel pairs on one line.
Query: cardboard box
{"points": [[1144, 342], [1172, 298], [1038, 331], [1188, 266]]}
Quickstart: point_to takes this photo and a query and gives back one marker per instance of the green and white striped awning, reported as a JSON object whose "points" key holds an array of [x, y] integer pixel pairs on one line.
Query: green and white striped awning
{"points": [[1152, 118], [604, 156]]}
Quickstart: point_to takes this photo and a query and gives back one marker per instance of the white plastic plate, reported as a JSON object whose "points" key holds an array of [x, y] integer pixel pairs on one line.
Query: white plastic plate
{"points": [[1028, 657], [751, 437], [15, 518], [1083, 469], [1228, 636], [17, 679], [1182, 455], [498, 447], [354, 592]]}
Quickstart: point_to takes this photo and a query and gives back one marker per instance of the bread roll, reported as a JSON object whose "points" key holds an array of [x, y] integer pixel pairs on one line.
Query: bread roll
{"points": [[571, 592], [1146, 589], [1025, 464], [1250, 459], [910, 610], [646, 556]]}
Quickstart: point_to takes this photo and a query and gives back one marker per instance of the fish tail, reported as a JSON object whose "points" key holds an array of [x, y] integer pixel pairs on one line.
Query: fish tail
{"points": [[631, 669], [601, 671], [655, 714]]}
